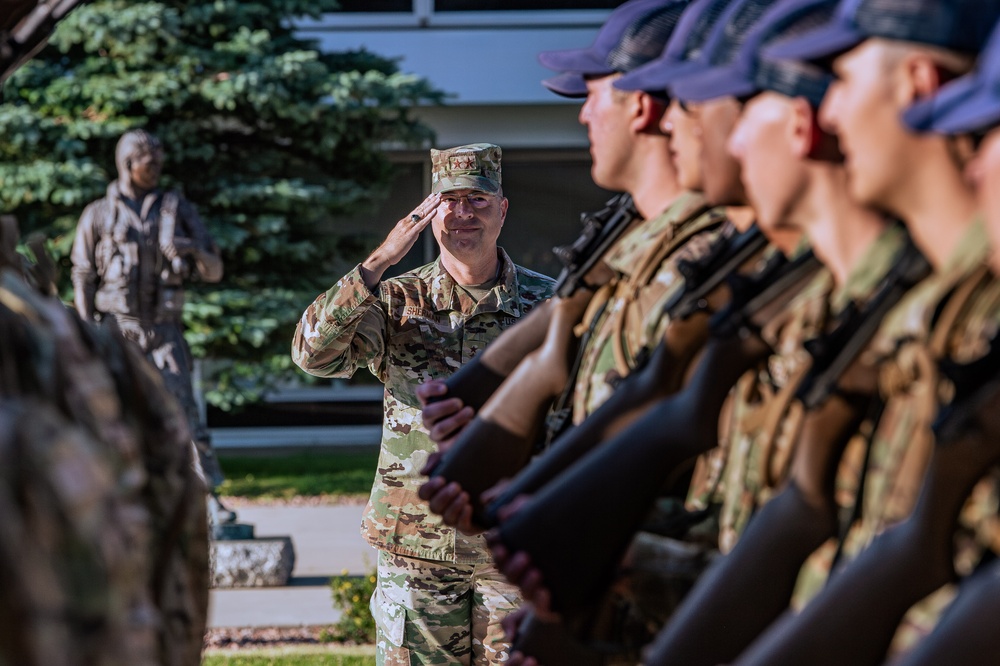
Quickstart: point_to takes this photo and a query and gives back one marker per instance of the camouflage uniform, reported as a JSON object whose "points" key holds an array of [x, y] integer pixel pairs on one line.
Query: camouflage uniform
{"points": [[419, 326], [765, 418], [120, 267], [631, 324], [628, 328], [104, 548], [907, 352]]}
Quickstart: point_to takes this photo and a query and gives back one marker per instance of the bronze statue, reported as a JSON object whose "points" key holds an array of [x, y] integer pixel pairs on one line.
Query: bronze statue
{"points": [[134, 250]]}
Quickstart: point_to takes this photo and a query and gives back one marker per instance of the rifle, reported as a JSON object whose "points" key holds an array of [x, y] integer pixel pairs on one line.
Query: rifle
{"points": [[704, 290], [478, 379], [840, 394], [910, 560], [632, 467]]}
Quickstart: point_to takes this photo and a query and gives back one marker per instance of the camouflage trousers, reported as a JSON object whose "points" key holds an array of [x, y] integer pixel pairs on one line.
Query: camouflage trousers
{"points": [[164, 345], [429, 612]]}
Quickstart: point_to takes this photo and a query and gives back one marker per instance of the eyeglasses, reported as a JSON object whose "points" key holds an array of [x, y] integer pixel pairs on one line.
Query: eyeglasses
{"points": [[476, 200]]}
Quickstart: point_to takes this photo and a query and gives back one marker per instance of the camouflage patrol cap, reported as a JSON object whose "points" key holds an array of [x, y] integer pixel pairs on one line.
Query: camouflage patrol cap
{"points": [[475, 166]]}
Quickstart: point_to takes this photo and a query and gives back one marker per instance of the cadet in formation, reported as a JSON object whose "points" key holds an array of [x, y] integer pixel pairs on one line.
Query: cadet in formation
{"points": [[827, 445]]}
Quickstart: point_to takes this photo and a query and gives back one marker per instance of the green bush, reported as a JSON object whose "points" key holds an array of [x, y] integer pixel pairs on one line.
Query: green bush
{"points": [[351, 595]]}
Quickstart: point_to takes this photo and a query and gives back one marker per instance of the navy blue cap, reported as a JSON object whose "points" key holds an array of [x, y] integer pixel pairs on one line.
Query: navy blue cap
{"points": [[575, 64], [957, 25], [725, 41], [682, 52], [968, 104], [750, 73]]}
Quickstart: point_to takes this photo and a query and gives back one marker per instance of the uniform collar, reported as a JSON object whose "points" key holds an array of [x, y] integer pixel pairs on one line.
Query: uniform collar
{"points": [[504, 297]]}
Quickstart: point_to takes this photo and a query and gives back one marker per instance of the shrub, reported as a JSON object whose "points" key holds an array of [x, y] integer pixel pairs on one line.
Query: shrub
{"points": [[351, 595]]}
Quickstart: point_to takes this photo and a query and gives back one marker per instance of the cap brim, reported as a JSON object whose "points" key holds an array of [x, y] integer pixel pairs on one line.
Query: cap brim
{"points": [[824, 42], [712, 82], [656, 76], [567, 84], [580, 61], [467, 183], [964, 105]]}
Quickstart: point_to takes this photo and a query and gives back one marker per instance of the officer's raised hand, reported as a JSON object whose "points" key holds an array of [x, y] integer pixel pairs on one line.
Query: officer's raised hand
{"points": [[399, 241]]}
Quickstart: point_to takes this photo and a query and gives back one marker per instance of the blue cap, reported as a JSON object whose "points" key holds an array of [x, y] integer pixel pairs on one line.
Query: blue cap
{"points": [[749, 72], [575, 64], [681, 52], [957, 25], [725, 41], [968, 104]]}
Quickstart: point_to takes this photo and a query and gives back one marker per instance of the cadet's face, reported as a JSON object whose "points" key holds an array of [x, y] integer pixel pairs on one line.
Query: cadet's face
{"points": [[685, 146], [605, 115], [859, 108], [468, 223], [772, 174], [145, 169], [715, 121], [985, 170]]}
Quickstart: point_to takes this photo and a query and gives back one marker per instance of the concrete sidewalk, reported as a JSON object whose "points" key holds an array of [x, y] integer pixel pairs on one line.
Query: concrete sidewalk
{"points": [[326, 540]]}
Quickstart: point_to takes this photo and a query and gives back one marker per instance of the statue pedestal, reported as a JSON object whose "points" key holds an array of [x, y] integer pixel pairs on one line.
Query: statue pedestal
{"points": [[238, 559]]}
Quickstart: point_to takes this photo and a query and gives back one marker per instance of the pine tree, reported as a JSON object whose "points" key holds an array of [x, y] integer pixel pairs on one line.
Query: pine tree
{"points": [[269, 138]]}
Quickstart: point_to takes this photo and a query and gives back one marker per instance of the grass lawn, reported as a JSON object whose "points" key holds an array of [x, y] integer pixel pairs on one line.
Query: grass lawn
{"points": [[299, 475], [292, 656]]}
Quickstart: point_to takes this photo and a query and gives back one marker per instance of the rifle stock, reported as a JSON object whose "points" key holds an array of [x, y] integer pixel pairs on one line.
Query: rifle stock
{"points": [[967, 633], [501, 437], [838, 393], [853, 620], [705, 291]]}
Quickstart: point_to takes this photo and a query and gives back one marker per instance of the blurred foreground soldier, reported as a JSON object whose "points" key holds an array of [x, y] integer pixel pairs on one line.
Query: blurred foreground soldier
{"points": [[133, 251], [104, 542], [439, 598]]}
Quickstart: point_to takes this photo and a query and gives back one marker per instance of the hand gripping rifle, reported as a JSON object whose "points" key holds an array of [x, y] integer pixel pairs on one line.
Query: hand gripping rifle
{"points": [[705, 290], [476, 381], [499, 441], [602, 499], [838, 394]]}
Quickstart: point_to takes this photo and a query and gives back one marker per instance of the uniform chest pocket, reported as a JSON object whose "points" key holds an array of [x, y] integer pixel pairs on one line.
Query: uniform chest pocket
{"points": [[425, 348]]}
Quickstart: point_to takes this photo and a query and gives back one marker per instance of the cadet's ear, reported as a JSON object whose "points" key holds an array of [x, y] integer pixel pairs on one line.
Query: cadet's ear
{"points": [[801, 127], [809, 140], [924, 76], [649, 114]]}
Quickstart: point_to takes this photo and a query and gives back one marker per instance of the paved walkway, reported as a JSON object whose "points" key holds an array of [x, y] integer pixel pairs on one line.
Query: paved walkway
{"points": [[326, 541]]}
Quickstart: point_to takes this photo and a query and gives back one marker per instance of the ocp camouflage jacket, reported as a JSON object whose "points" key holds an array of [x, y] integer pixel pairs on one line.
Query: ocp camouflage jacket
{"points": [[420, 326]]}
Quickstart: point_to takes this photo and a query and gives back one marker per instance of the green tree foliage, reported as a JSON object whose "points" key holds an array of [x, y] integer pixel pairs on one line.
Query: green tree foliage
{"points": [[270, 139]]}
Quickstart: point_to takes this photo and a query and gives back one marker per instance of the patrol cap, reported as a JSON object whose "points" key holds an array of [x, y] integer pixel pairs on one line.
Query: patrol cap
{"points": [[681, 52], [575, 64], [475, 166], [724, 41], [750, 73], [957, 25], [968, 104]]}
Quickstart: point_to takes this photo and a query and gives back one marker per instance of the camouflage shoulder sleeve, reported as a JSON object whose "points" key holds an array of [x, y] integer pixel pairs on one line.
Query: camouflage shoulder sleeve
{"points": [[344, 329]]}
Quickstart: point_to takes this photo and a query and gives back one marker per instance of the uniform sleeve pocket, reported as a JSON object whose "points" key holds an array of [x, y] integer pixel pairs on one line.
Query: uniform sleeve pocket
{"points": [[390, 617]]}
